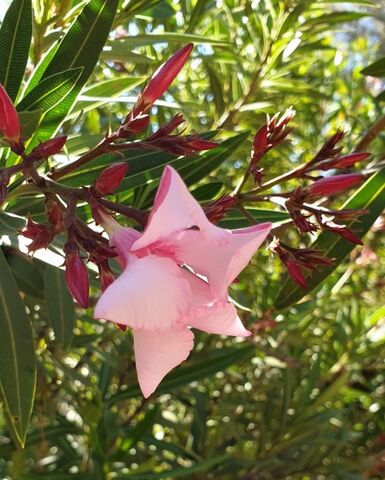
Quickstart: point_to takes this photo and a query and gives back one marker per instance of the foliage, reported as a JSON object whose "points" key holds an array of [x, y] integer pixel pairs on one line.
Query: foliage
{"points": [[304, 398]]}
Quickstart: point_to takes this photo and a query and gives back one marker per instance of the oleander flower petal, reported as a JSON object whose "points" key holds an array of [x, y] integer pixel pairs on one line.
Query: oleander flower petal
{"points": [[158, 353], [209, 315], [150, 294], [221, 264], [174, 211]]}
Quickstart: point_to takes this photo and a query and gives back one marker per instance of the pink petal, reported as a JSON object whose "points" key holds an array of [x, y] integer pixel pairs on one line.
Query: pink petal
{"points": [[122, 238], [208, 315], [158, 353], [175, 210], [151, 293], [222, 263]]}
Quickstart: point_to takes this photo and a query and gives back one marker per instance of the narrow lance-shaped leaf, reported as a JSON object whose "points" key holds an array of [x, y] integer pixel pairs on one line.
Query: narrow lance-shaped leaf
{"points": [[51, 91], [15, 40], [60, 306], [371, 197], [17, 357], [89, 33]]}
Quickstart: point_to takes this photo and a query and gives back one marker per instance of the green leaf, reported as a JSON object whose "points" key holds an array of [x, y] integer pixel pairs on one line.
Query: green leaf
{"points": [[30, 121], [334, 18], [371, 197], [235, 219], [88, 33], [10, 224], [50, 91], [17, 357], [27, 272], [376, 69], [104, 91], [15, 40], [40, 68], [168, 37], [136, 433], [212, 363], [60, 306]]}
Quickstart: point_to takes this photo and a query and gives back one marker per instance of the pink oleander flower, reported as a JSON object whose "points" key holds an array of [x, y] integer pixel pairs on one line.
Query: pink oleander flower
{"points": [[176, 275]]}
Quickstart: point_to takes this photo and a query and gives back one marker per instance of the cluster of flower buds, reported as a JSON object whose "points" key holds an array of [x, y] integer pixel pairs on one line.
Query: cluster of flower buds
{"points": [[216, 210], [301, 212], [177, 144], [96, 250], [42, 235], [296, 260], [270, 135]]}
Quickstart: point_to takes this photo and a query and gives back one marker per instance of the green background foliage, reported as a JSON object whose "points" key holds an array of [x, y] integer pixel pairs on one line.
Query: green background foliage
{"points": [[304, 398]]}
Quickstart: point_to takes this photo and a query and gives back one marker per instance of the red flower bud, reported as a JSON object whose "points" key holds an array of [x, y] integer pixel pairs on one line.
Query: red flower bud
{"points": [[344, 232], [216, 210], [76, 275], [133, 125], [50, 147], [295, 272], [40, 235], [260, 139], [110, 178], [10, 124], [197, 144], [349, 160], [162, 79], [335, 184], [106, 277]]}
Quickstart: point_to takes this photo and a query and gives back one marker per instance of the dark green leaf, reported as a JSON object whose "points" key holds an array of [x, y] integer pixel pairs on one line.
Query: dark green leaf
{"points": [[27, 272], [371, 197], [376, 69], [235, 219], [10, 224], [17, 357], [15, 40], [50, 91], [89, 33], [60, 306]]}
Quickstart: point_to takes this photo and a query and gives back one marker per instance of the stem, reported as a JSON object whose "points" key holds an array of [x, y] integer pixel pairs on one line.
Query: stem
{"points": [[103, 147], [370, 135], [95, 152], [138, 215]]}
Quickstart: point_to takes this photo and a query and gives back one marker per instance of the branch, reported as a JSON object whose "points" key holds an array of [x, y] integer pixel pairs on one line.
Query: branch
{"points": [[370, 135]]}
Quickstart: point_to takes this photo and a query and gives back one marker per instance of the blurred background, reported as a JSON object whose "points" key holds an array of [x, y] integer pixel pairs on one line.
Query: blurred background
{"points": [[304, 399]]}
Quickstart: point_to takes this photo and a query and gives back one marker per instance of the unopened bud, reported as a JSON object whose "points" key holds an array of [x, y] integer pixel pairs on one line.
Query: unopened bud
{"points": [[343, 232], [162, 79], [106, 277], [295, 273], [333, 185], [50, 147], [76, 275], [349, 160], [110, 178], [10, 125]]}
